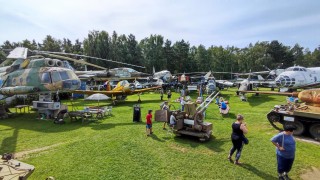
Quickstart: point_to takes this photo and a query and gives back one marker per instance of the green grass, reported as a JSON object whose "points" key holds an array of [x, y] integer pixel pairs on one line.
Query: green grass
{"points": [[117, 148]]}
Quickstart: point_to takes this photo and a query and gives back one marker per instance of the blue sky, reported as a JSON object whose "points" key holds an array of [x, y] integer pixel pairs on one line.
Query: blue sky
{"points": [[207, 22]]}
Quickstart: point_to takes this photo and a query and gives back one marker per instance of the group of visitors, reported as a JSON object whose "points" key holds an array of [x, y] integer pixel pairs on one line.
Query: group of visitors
{"points": [[284, 142]]}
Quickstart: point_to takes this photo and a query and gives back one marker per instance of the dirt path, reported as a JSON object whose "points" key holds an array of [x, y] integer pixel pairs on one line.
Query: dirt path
{"points": [[312, 174], [23, 154]]}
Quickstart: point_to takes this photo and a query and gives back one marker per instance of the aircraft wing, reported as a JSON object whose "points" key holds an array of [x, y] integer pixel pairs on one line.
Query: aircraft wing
{"points": [[225, 83], [294, 94], [114, 93]]}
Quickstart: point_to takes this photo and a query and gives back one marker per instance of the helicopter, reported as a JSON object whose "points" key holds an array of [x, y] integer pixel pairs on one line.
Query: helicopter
{"points": [[99, 75], [35, 75]]}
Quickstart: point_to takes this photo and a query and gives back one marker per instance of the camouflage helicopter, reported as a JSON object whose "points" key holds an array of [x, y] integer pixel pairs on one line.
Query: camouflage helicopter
{"points": [[35, 75]]}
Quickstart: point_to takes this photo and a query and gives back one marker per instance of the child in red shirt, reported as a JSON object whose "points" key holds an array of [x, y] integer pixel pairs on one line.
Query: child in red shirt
{"points": [[149, 123]]}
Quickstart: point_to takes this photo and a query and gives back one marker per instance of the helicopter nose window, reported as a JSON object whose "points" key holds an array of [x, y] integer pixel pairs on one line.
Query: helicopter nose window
{"points": [[64, 75], [45, 78], [55, 76]]}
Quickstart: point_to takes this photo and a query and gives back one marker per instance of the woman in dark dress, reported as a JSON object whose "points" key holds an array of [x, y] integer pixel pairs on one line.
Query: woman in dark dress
{"points": [[238, 130]]}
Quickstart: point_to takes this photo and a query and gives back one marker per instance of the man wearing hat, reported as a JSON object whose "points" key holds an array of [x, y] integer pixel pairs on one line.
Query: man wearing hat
{"points": [[285, 150]]}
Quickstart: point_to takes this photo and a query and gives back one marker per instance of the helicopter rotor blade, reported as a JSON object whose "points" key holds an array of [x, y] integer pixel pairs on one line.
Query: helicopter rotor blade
{"points": [[90, 57], [74, 60]]}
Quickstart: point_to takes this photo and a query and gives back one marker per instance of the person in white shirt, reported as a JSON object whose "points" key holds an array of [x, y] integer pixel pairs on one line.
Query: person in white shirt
{"points": [[182, 103]]}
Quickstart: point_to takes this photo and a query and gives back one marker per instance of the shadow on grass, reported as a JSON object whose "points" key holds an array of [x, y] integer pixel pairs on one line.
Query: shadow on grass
{"points": [[155, 137], [257, 100], [256, 171], [28, 121], [6, 146], [212, 144]]}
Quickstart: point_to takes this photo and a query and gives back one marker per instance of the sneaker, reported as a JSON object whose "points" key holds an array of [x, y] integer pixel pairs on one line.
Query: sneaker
{"points": [[230, 158], [285, 176], [237, 163]]}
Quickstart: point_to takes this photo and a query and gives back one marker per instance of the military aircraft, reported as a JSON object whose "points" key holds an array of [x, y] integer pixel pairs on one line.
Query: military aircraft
{"points": [[120, 92], [112, 74], [99, 75], [296, 77], [36, 75]]}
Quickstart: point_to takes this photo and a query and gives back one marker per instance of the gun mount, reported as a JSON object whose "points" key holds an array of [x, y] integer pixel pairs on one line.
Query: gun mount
{"points": [[193, 124]]}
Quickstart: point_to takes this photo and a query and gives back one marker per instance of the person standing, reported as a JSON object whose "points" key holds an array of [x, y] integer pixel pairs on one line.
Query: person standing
{"points": [[161, 94], [237, 136], [166, 108], [169, 95], [182, 103], [285, 150], [149, 122]]}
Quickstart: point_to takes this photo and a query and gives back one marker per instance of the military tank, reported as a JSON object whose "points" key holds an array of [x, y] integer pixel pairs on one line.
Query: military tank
{"points": [[304, 115]]}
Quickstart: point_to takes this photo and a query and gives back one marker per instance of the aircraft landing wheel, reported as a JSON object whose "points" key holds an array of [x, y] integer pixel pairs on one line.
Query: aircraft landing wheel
{"points": [[315, 131], [300, 127]]}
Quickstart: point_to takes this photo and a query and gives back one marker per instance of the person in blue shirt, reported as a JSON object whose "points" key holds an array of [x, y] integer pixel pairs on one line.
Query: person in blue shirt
{"points": [[285, 150]]}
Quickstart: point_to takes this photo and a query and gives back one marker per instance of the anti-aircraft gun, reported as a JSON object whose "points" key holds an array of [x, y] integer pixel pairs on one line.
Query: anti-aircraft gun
{"points": [[305, 115], [192, 124]]}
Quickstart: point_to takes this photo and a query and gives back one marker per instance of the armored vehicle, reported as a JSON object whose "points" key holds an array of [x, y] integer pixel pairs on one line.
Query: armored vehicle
{"points": [[305, 116]]}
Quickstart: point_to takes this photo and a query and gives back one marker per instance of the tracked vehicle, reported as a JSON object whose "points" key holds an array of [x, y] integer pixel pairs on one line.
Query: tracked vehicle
{"points": [[305, 116]]}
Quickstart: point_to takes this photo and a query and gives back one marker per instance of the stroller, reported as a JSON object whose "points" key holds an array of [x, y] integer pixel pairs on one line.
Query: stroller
{"points": [[59, 118]]}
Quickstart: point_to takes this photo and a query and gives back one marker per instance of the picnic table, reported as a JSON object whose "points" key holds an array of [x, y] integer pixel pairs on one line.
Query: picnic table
{"points": [[89, 114], [22, 107]]}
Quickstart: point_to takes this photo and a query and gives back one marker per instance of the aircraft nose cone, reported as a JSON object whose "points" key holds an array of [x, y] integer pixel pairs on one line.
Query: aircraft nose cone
{"points": [[285, 81]]}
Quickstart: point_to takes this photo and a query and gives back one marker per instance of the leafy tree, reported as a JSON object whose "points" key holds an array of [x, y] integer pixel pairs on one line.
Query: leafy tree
{"points": [[51, 44]]}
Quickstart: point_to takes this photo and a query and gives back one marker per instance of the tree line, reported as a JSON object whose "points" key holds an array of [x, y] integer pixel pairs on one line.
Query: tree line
{"points": [[177, 57]]}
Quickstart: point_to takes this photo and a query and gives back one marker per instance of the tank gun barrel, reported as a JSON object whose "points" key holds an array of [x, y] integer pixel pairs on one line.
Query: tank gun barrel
{"points": [[311, 96]]}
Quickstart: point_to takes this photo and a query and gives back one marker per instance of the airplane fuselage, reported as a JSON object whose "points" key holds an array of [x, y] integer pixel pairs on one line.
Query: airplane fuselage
{"points": [[299, 77]]}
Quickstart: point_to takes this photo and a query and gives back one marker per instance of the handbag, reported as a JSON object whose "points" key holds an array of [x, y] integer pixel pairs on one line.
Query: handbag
{"points": [[245, 140]]}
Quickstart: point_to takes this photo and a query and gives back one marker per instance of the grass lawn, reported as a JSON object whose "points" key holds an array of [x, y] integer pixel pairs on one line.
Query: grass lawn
{"points": [[117, 148]]}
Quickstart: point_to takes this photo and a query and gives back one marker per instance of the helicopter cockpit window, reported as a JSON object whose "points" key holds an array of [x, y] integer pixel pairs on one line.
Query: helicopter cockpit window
{"points": [[28, 79], [14, 81], [55, 76], [64, 75], [131, 70], [304, 69], [45, 78], [295, 69]]}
